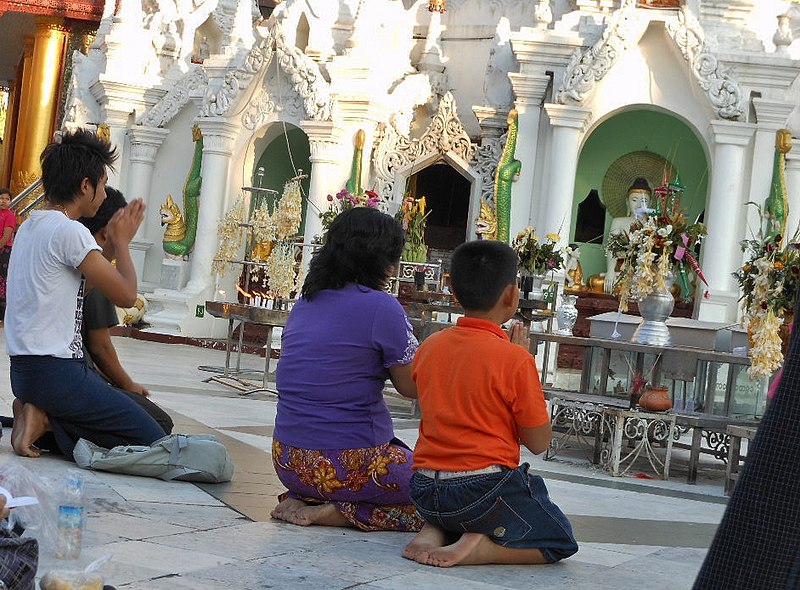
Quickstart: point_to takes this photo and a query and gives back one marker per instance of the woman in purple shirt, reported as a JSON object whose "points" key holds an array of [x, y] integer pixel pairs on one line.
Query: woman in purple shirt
{"points": [[333, 445]]}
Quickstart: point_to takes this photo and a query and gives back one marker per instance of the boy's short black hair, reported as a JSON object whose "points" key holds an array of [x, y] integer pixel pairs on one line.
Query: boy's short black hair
{"points": [[6, 191], [67, 161], [480, 271], [114, 201]]}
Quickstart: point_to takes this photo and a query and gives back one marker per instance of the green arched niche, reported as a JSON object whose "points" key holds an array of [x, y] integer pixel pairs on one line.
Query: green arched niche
{"points": [[276, 159], [632, 130]]}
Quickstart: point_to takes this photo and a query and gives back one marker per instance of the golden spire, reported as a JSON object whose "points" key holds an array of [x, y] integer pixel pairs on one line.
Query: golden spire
{"points": [[437, 5]]}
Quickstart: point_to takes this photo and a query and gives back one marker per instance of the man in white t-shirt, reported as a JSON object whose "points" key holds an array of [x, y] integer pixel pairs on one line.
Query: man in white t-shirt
{"points": [[53, 257]]}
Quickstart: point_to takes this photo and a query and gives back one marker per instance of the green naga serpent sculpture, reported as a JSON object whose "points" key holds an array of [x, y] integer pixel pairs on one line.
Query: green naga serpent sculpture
{"points": [[495, 224], [353, 185], [180, 234], [776, 207]]}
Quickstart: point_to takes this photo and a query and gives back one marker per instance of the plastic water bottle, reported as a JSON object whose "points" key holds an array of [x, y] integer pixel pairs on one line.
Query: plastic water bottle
{"points": [[70, 516]]}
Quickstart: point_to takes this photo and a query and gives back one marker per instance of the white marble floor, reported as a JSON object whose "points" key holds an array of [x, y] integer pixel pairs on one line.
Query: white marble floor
{"points": [[633, 533]]}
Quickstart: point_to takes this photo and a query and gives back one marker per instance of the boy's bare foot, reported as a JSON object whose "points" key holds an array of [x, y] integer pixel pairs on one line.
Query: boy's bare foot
{"points": [[286, 507], [430, 537], [30, 423], [476, 548], [460, 552]]}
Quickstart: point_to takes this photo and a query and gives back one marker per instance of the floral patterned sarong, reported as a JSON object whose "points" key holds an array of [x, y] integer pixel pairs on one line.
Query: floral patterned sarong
{"points": [[369, 486]]}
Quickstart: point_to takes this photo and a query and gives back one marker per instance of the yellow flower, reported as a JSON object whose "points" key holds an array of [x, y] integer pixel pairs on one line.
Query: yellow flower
{"points": [[421, 206], [778, 265], [552, 237], [378, 466], [325, 479]]}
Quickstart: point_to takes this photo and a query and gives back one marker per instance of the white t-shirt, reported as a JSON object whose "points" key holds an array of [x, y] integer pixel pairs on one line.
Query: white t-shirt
{"points": [[44, 292]]}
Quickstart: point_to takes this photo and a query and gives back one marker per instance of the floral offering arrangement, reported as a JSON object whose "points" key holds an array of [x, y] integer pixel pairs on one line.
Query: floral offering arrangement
{"points": [[413, 217], [769, 280], [657, 246], [273, 233], [345, 200], [535, 256], [231, 232]]}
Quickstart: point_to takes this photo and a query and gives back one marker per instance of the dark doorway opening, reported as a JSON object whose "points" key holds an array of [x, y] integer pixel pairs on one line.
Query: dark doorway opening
{"points": [[446, 193]]}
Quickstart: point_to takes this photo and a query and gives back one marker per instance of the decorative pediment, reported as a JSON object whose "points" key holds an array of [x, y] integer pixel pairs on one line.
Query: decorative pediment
{"points": [[722, 90], [586, 68], [275, 95], [395, 151], [218, 102], [175, 99], [302, 72]]}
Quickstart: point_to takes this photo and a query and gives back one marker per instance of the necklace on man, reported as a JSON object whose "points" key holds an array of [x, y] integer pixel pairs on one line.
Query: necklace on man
{"points": [[59, 207]]}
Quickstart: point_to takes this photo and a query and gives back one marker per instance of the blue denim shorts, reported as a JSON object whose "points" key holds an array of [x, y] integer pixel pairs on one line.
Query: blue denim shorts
{"points": [[511, 507]]}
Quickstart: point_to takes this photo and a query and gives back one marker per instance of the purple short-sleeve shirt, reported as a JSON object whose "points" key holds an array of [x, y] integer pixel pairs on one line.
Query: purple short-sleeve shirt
{"points": [[335, 353]]}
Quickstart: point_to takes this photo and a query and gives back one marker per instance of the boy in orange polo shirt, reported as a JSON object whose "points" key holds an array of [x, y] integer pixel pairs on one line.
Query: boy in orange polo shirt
{"points": [[480, 397]]}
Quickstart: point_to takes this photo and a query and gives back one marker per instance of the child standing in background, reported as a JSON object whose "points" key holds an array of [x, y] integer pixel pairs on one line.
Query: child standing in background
{"points": [[8, 222]]}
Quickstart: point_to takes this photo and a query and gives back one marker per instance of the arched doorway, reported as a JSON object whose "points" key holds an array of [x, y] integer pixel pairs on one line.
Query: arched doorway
{"points": [[282, 154], [447, 194], [634, 134]]}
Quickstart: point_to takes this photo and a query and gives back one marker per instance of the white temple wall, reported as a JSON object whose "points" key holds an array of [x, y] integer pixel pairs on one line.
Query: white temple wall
{"points": [[169, 174], [651, 73]]}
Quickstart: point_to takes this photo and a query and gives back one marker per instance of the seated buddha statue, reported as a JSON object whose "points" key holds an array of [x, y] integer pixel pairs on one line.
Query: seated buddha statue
{"points": [[638, 198]]}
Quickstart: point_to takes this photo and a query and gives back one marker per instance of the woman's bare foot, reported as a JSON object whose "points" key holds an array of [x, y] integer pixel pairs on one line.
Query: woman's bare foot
{"points": [[476, 548], [286, 507], [430, 537], [321, 514], [30, 423]]}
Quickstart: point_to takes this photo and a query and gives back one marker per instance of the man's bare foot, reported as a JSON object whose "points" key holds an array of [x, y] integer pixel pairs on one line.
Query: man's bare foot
{"points": [[286, 507], [321, 514], [430, 537], [476, 548], [30, 423]]}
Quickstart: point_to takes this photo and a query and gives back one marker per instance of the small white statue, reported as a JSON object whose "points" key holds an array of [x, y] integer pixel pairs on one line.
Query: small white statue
{"points": [[638, 200]]}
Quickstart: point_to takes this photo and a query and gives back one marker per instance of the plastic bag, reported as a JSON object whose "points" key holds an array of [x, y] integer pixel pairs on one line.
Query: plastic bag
{"points": [[87, 579], [38, 520]]}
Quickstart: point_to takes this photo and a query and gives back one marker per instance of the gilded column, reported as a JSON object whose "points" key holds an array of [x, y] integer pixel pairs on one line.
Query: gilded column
{"points": [[23, 89], [36, 128], [12, 114]]}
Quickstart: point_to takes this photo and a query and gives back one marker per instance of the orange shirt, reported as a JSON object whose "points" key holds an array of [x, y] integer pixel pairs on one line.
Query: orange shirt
{"points": [[475, 389]]}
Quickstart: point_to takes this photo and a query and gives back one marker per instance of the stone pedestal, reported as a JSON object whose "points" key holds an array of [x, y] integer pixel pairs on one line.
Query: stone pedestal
{"points": [[174, 274]]}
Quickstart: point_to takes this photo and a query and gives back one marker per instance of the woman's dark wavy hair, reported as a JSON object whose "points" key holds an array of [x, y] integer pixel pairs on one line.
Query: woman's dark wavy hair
{"points": [[362, 246], [67, 161]]}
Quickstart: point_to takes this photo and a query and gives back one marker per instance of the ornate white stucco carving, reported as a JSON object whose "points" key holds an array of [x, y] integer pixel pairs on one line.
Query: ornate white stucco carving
{"points": [[81, 105], [723, 92], [175, 99], [626, 27], [587, 68], [306, 79], [275, 96], [303, 74], [217, 103], [395, 151], [485, 163]]}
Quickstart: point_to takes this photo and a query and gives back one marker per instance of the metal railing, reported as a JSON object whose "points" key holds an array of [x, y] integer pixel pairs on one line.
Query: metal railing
{"points": [[22, 196]]}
